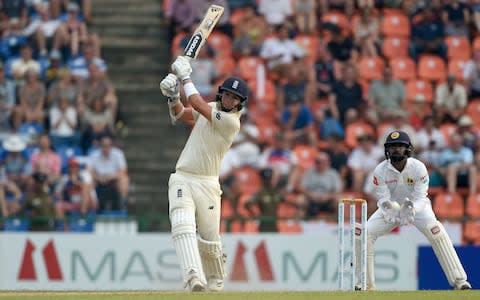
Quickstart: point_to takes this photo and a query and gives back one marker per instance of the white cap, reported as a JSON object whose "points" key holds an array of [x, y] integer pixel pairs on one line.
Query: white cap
{"points": [[14, 143]]}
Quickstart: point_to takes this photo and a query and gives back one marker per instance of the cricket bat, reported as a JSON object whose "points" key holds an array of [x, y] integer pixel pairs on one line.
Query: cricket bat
{"points": [[202, 32]]}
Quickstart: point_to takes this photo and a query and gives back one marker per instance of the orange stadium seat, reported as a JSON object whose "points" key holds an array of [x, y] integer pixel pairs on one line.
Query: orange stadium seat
{"points": [[267, 132], [473, 206], [456, 66], [306, 155], [476, 44], [338, 18], [365, 84], [396, 25], [221, 43], [248, 180], [403, 68], [473, 111], [371, 67], [226, 212], [458, 47], [395, 47], [356, 129], [447, 206], [247, 67], [432, 68], [265, 93], [419, 87], [225, 65], [472, 232], [392, 12], [310, 44], [447, 129], [285, 210]]}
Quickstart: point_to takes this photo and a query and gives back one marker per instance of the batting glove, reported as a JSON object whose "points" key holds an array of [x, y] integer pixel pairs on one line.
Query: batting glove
{"points": [[407, 212], [390, 213], [170, 88], [181, 67]]}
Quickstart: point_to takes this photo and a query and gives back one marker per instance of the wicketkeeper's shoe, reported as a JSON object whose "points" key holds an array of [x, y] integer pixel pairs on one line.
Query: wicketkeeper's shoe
{"points": [[215, 285], [464, 286], [196, 285]]}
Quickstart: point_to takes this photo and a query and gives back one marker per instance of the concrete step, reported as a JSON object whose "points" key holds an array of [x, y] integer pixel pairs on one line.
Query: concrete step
{"points": [[131, 67], [124, 3], [137, 8], [113, 20], [133, 42], [153, 32]]}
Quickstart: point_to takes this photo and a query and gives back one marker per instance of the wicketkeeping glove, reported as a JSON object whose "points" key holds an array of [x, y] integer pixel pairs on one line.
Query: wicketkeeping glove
{"points": [[170, 88], [390, 212], [407, 212], [181, 67]]}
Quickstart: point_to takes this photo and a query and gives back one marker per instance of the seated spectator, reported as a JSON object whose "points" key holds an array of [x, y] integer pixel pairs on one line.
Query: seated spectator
{"points": [[13, 198], [429, 136], [305, 17], [23, 63], [327, 125], [54, 67], [363, 160], [469, 133], [246, 144], [296, 88], [450, 101], [179, 16], [63, 87], [399, 122], [205, 73], [110, 176], [7, 101], [471, 76], [74, 191], [13, 38], [283, 162], [277, 12], [338, 155], [475, 6], [39, 204], [281, 52], [323, 73], [17, 167], [342, 49], [298, 122], [79, 66], [428, 36], [346, 94], [456, 17], [267, 200], [387, 96], [457, 166], [249, 33], [32, 98], [366, 33], [46, 161], [97, 122], [63, 124], [320, 185], [72, 32], [417, 111], [97, 85], [346, 6], [13, 9], [42, 27]]}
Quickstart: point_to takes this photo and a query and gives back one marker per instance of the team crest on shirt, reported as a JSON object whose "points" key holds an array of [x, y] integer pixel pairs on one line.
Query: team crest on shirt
{"points": [[395, 135], [218, 116], [410, 181]]}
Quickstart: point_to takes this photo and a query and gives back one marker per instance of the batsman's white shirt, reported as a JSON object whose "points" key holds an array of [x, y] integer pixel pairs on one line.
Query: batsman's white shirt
{"points": [[208, 142], [412, 182]]}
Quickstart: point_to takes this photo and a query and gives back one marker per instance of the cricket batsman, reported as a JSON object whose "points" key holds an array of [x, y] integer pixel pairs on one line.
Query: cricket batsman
{"points": [[400, 185], [194, 189]]}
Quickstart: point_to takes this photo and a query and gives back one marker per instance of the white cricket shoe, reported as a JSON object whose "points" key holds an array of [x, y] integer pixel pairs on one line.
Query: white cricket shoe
{"points": [[215, 285], [195, 285]]}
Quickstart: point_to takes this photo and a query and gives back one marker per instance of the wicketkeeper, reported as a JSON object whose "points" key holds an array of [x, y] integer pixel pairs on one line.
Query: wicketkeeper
{"points": [[194, 189], [400, 185]]}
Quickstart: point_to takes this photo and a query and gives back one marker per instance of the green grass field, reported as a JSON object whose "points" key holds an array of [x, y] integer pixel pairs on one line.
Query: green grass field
{"points": [[432, 295]]}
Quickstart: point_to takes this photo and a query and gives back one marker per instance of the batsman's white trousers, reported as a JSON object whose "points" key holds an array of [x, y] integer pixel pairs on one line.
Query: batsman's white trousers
{"points": [[201, 195]]}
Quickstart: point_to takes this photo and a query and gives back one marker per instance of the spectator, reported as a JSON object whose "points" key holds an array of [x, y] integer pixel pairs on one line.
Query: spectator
{"points": [[305, 17], [204, 73], [327, 125], [14, 9], [277, 12], [32, 97], [23, 63], [63, 124], [74, 191], [323, 73], [320, 185], [345, 95], [73, 32], [13, 197], [342, 49], [417, 111], [469, 133], [97, 85], [79, 66], [346, 6], [429, 136], [283, 162], [456, 17], [17, 166], [475, 5], [267, 200], [366, 33], [249, 33], [39, 204], [298, 122], [450, 101], [13, 38], [246, 143], [97, 122], [428, 36], [63, 87], [46, 161], [53, 68], [471, 76], [281, 52], [337, 153], [110, 175], [387, 96], [7, 101], [363, 160], [296, 88], [457, 166], [399, 123], [179, 16]]}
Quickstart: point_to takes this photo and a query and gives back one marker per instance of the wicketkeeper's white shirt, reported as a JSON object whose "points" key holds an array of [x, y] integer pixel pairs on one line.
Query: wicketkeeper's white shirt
{"points": [[390, 184], [208, 142]]}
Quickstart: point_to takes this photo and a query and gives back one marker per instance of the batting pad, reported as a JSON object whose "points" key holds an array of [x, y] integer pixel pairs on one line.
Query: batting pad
{"points": [[185, 243], [446, 254], [212, 258]]}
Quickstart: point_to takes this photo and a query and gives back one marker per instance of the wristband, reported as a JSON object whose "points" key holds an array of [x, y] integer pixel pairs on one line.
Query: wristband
{"points": [[190, 89]]}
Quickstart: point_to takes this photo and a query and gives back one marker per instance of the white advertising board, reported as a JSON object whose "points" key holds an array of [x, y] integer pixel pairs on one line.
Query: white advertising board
{"points": [[42, 261]]}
